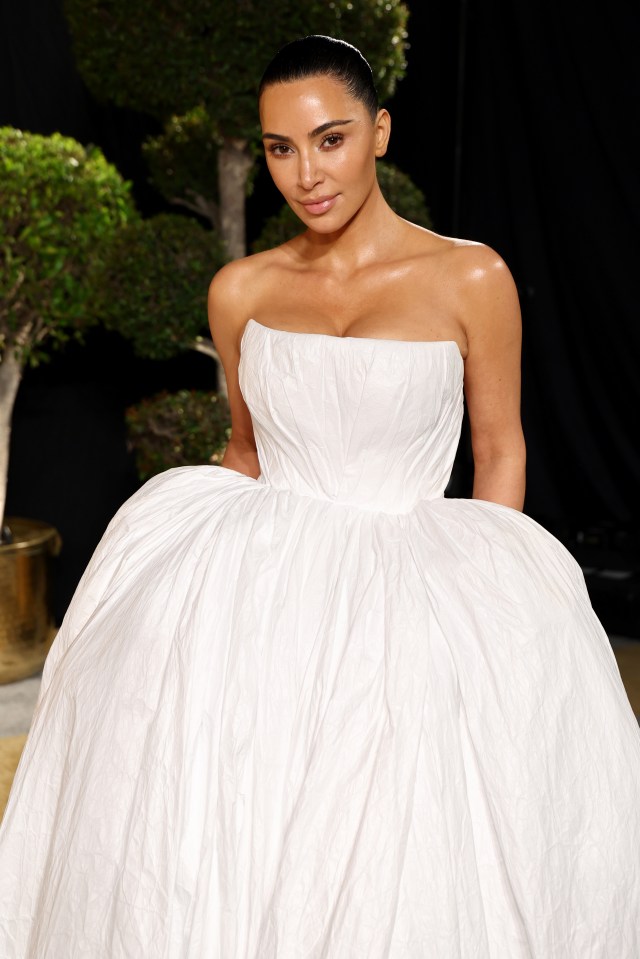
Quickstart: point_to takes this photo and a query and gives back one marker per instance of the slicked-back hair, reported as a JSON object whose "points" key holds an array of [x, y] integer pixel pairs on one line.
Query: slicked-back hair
{"points": [[317, 55]]}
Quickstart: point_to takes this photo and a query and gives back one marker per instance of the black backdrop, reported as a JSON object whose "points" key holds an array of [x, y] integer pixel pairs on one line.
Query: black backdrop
{"points": [[517, 120]]}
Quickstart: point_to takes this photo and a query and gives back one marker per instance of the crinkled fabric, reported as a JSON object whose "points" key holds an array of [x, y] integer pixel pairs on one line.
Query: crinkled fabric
{"points": [[328, 713]]}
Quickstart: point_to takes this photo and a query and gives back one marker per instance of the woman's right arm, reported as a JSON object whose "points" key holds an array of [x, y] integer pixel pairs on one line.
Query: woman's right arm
{"points": [[227, 311]]}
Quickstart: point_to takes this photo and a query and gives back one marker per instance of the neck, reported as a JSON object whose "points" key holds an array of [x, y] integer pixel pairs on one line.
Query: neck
{"points": [[364, 239]]}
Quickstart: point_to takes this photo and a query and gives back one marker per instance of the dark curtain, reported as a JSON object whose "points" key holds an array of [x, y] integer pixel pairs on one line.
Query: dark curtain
{"points": [[550, 178], [39, 88]]}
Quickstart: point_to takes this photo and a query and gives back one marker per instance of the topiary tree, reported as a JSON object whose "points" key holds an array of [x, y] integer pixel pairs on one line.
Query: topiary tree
{"points": [[150, 285], [183, 164], [400, 192], [178, 429], [196, 66], [60, 203]]}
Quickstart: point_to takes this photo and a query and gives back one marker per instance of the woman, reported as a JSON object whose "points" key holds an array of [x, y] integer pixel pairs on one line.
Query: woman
{"points": [[302, 704]]}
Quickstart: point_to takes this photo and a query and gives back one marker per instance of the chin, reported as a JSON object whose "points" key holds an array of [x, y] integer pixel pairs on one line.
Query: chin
{"points": [[327, 224]]}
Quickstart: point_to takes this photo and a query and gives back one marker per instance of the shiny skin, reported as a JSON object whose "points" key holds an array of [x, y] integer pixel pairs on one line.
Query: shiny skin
{"points": [[358, 269]]}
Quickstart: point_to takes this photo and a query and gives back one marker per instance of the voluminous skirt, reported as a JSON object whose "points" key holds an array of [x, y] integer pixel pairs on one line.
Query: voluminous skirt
{"points": [[276, 726]]}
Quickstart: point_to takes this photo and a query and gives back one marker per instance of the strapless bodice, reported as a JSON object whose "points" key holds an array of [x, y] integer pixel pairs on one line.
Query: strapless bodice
{"points": [[367, 422]]}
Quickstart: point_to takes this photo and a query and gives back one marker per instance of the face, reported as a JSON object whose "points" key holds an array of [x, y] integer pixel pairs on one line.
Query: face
{"points": [[321, 144]]}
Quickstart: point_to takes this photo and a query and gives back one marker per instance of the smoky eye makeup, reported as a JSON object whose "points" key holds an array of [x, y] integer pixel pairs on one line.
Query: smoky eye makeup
{"points": [[336, 139], [331, 138], [329, 141], [275, 149]]}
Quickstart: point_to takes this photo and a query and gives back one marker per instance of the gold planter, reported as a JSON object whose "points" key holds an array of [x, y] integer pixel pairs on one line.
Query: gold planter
{"points": [[27, 626]]}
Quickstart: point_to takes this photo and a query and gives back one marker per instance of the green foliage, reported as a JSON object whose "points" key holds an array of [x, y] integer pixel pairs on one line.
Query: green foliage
{"points": [[400, 192], [183, 162], [151, 284], [60, 203], [187, 428], [402, 195], [167, 58], [278, 229]]}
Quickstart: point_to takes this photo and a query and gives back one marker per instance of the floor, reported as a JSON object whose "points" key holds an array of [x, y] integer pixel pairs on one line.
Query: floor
{"points": [[16, 705]]}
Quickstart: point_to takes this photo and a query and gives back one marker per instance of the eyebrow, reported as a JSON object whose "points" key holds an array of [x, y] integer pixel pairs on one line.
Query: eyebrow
{"points": [[311, 134]]}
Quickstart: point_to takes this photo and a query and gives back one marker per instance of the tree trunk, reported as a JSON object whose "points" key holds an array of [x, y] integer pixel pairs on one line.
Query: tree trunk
{"points": [[203, 345], [203, 206], [234, 163], [10, 376]]}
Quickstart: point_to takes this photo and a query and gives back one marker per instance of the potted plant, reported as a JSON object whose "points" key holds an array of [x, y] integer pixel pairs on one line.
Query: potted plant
{"points": [[60, 202]]}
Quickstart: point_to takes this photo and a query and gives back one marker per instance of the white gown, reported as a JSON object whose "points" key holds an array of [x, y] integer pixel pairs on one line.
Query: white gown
{"points": [[328, 713]]}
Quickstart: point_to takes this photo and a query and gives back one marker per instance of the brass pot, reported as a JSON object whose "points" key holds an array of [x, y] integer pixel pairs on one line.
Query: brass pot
{"points": [[27, 626]]}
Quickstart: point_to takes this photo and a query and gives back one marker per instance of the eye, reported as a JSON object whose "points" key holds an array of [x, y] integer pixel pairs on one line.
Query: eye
{"points": [[278, 149], [332, 140]]}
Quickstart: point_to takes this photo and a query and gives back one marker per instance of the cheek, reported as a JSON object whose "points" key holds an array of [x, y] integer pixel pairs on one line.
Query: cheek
{"points": [[354, 159], [281, 173], [355, 171], [356, 167]]}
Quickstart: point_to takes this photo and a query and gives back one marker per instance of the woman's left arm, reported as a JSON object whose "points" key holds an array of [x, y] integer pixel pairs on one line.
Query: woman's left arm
{"points": [[490, 313]]}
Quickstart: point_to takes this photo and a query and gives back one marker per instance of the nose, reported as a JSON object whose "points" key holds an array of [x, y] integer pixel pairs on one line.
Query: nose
{"points": [[309, 172]]}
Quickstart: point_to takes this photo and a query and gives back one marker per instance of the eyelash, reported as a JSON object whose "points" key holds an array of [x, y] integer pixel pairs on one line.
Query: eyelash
{"points": [[329, 136]]}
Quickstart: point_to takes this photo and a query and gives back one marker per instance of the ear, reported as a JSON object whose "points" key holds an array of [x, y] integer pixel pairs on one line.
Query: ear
{"points": [[382, 128]]}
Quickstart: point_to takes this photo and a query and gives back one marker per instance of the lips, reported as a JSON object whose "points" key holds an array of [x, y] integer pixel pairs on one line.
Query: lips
{"points": [[319, 205]]}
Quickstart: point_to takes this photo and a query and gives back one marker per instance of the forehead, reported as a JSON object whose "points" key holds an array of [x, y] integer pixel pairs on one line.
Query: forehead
{"points": [[306, 103]]}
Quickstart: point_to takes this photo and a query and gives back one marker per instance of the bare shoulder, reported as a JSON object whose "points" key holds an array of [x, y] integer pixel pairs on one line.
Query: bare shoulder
{"points": [[232, 294], [230, 284], [468, 261], [482, 289], [470, 279], [479, 269]]}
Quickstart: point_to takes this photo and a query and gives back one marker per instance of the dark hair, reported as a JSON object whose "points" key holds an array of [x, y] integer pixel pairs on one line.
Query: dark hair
{"points": [[317, 55]]}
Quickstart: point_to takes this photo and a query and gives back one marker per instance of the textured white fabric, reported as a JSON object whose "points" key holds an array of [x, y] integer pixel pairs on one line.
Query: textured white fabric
{"points": [[328, 713]]}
